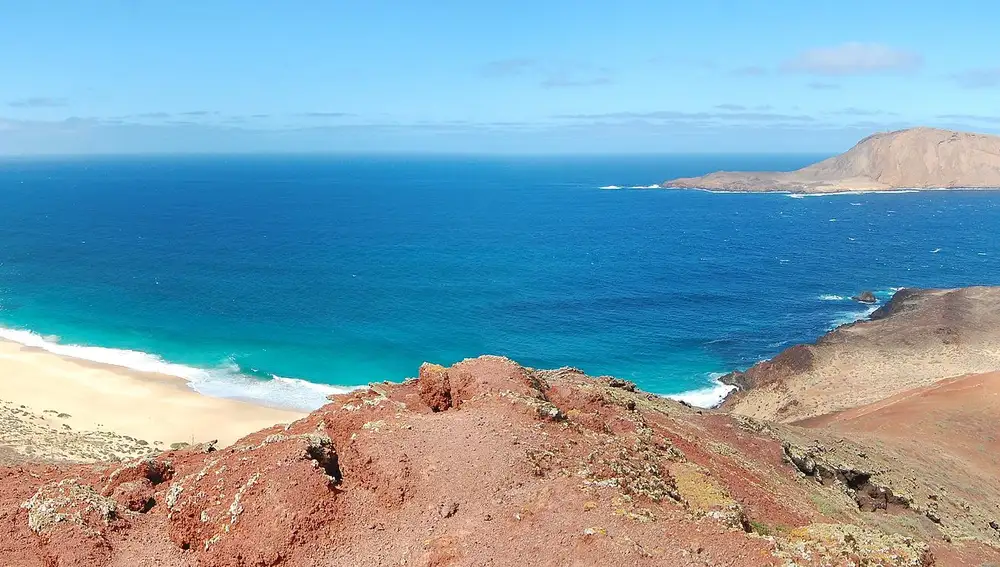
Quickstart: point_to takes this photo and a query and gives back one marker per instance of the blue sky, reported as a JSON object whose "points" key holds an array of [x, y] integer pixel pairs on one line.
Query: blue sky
{"points": [[512, 77]]}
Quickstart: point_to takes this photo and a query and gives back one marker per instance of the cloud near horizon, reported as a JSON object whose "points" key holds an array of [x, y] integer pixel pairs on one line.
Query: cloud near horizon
{"points": [[729, 113], [38, 102], [550, 75], [719, 128], [853, 58], [980, 78]]}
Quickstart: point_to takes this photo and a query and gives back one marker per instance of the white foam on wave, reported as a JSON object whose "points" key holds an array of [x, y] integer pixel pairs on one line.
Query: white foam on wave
{"points": [[859, 192], [848, 317], [707, 397], [611, 187], [831, 297], [225, 381], [653, 186], [862, 311]]}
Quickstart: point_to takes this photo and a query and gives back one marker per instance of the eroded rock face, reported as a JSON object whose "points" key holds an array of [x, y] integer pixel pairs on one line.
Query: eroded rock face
{"points": [[484, 462]]}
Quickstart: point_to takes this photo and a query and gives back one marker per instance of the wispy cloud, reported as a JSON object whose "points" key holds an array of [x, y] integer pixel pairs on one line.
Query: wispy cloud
{"points": [[325, 114], [559, 82], [507, 67], [730, 107], [664, 130], [979, 78], [750, 71], [550, 74], [854, 58], [691, 62], [855, 111], [676, 115], [821, 86], [970, 118], [38, 102]]}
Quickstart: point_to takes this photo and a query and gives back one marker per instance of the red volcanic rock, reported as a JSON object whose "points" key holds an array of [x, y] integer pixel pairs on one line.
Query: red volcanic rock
{"points": [[435, 387], [135, 495], [482, 463]]}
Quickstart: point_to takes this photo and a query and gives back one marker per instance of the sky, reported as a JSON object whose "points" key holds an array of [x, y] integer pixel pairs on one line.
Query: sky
{"points": [[531, 77]]}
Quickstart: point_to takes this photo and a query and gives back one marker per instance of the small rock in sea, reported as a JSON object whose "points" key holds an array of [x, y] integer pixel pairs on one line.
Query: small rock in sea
{"points": [[865, 297]]}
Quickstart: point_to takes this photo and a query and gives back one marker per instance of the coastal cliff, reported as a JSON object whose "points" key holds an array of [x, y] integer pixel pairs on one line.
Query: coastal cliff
{"points": [[916, 158], [489, 462]]}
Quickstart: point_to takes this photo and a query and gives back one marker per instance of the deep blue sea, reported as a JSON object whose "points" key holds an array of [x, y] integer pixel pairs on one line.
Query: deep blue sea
{"points": [[275, 277]]}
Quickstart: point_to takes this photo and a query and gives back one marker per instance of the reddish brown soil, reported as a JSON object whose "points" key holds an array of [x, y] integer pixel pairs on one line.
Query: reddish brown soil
{"points": [[483, 463]]}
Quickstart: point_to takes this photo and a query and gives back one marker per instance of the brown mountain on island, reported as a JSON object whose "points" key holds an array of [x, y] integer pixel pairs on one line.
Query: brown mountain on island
{"points": [[491, 463], [916, 158]]}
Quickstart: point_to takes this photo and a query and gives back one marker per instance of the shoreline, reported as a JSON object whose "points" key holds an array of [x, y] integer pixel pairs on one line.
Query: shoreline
{"points": [[795, 194], [233, 386], [45, 394]]}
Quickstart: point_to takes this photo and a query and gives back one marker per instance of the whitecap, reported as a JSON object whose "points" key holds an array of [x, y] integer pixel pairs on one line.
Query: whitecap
{"points": [[225, 381], [848, 317], [857, 192], [654, 186], [278, 391], [610, 187], [935, 251], [707, 397], [831, 297]]}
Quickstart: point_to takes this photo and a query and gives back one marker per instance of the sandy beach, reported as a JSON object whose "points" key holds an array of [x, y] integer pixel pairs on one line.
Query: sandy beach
{"points": [[52, 407]]}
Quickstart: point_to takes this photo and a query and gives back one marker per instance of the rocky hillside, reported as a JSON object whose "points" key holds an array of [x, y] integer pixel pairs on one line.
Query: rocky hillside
{"points": [[917, 339], [490, 463], [913, 158]]}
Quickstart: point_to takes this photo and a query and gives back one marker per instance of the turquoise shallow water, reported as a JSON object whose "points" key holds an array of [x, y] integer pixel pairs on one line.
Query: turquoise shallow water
{"points": [[275, 278]]}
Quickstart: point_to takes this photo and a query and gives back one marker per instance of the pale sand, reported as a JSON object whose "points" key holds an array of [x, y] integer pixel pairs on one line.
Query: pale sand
{"points": [[57, 407]]}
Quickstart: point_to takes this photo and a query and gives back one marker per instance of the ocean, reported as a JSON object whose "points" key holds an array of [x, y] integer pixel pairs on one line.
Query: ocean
{"points": [[281, 279]]}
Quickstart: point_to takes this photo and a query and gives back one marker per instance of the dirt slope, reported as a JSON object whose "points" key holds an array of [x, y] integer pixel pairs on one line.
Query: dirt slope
{"points": [[917, 339], [483, 463]]}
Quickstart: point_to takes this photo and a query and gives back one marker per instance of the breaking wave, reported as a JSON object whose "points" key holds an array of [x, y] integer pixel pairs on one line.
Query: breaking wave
{"points": [[707, 397], [225, 381]]}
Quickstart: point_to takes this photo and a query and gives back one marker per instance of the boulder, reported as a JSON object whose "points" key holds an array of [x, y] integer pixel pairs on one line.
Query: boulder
{"points": [[866, 297]]}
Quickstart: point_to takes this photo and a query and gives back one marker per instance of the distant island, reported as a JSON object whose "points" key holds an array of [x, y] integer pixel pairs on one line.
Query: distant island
{"points": [[916, 158]]}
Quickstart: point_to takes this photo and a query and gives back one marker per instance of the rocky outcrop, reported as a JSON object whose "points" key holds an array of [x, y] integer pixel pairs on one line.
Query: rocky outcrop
{"points": [[916, 339], [865, 297], [483, 462], [914, 158]]}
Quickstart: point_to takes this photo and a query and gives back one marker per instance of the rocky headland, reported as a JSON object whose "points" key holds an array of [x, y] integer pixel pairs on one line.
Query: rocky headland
{"points": [[916, 339], [916, 158], [875, 446]]}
